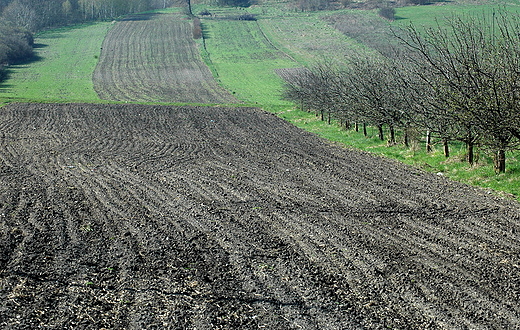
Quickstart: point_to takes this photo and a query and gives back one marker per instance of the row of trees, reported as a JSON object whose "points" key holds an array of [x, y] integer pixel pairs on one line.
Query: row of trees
{"points": [[16, 44], [459, 80], [34, 15]]}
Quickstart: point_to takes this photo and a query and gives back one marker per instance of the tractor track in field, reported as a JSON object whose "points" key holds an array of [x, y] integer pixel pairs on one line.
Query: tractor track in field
{"points": [[157, 217]]}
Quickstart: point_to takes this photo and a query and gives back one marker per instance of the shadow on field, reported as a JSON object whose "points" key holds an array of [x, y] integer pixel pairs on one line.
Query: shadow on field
{"points": [[39, 46], [3, 86], [141, 17], [7, 70], [205, 31], [33, 58]]}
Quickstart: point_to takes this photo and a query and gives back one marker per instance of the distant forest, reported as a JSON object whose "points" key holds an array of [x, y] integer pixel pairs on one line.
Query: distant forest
{"points": [[19, 19]]}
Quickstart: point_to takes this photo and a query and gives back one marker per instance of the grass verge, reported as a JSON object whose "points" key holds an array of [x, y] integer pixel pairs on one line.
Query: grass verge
{"points": [[481, 174]]}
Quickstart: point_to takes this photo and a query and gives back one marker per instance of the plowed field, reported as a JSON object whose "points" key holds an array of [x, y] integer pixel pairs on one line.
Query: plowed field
{"points": [[148, 217], [153, 57]]}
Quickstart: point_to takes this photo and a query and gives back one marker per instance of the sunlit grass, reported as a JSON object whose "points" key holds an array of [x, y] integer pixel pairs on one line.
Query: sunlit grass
{"points": [[245, 61], [428, 16], [63, 71]]}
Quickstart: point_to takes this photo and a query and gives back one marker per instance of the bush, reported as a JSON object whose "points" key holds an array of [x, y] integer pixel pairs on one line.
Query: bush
{"points": [[388, 13], [3, 72], [197, 28], [235, 3], [247, 17], [205, 12], [15, 44]]}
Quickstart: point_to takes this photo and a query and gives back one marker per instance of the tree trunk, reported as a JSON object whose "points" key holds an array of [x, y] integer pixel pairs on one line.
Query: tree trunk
{"points": [[406, 138], [381, 134], [470, 155], [392, 135], [322, 115], [500, 161], [446, 147], [356, 126], [328, 117], [428, 141], [365, 130]]}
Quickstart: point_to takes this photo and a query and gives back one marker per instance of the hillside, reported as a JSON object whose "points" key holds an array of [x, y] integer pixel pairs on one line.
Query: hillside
{"points": [[149, 217], [160, 216], [153, 57]]}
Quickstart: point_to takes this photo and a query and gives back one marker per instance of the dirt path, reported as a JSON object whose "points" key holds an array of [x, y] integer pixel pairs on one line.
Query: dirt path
{"points": [[153, 58], [148, 217]]}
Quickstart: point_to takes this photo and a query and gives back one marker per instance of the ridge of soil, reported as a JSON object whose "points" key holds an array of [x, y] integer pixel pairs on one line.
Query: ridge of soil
{"points": [[157, 217]]}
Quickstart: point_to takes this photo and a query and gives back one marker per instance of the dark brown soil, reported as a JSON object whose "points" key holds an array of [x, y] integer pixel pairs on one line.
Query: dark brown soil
{"points": [[152, 57], [148, 217]]}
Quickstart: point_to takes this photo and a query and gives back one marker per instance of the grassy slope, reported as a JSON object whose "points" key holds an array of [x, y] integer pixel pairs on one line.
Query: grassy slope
{"points": [[307, 38], [428, 15], [245, 54], [245, 61], [64, 72]]}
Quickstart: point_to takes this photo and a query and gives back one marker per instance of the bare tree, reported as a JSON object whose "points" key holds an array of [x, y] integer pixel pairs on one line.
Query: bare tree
{"points": [[21, 14], [470, 66], [372, 83]]}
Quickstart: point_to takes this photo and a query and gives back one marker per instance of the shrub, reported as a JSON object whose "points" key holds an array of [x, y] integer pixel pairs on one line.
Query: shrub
{"points": [[388, 13], [15, 44], [205, 12], [247, 17]]}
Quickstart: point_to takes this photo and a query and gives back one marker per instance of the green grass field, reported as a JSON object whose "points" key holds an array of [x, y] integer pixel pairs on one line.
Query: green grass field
{"points": [[429, 15], [245, 54], [308, 38], [63, 73], [245, 61]]}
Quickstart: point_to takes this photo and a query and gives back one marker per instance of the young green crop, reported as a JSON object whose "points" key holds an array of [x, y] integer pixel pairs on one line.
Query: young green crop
{"points": [[245, 60]]}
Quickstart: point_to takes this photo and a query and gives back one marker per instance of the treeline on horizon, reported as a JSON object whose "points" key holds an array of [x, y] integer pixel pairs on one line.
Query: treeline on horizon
{"points": [[19, 19]]}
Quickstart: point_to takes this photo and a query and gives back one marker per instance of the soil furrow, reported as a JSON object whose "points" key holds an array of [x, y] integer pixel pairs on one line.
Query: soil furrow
{"points": [[131, 216], [155, 60]]}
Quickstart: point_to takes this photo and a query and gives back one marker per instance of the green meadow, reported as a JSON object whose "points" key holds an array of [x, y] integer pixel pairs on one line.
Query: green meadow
{"points": [[245, 61], [63, 71], [428, 16]]}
